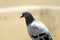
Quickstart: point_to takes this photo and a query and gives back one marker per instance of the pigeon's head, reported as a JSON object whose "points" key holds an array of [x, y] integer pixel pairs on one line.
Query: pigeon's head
{"points": [[25, 14], [28, 17]]}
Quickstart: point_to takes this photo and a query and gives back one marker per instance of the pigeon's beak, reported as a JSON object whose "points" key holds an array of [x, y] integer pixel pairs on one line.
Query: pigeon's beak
{"points": [[21, 16]]}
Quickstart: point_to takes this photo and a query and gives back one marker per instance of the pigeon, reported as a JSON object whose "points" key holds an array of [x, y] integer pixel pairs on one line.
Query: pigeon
{"points": [[36, 29]]}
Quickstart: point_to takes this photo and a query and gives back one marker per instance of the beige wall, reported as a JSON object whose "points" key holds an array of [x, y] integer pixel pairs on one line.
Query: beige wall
{"points": [[14, 28], [8, 3]]}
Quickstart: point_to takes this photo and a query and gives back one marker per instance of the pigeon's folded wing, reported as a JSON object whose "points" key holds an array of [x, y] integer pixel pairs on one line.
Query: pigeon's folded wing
{"points": [[38, 30]]}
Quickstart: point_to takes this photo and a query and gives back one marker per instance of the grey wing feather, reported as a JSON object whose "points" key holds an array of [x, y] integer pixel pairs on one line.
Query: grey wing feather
{"points": [[38, 33]]}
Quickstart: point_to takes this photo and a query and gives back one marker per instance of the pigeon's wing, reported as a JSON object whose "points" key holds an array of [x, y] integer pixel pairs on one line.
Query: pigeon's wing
{"points": [[38, 31]]}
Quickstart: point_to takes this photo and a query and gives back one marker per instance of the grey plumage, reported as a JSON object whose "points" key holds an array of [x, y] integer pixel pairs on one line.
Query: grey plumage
{"points": [[36, 29]]}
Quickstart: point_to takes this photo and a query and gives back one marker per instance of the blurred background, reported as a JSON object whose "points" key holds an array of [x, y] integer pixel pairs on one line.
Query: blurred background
{"points": [[12, 27]]}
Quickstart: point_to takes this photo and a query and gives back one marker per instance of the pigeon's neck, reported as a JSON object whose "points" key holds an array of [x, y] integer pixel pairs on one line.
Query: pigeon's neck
{"points": [[29, 20]]}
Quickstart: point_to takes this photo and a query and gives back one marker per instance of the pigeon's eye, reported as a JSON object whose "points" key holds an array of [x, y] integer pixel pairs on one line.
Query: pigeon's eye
{"points": [[24, 14]]}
